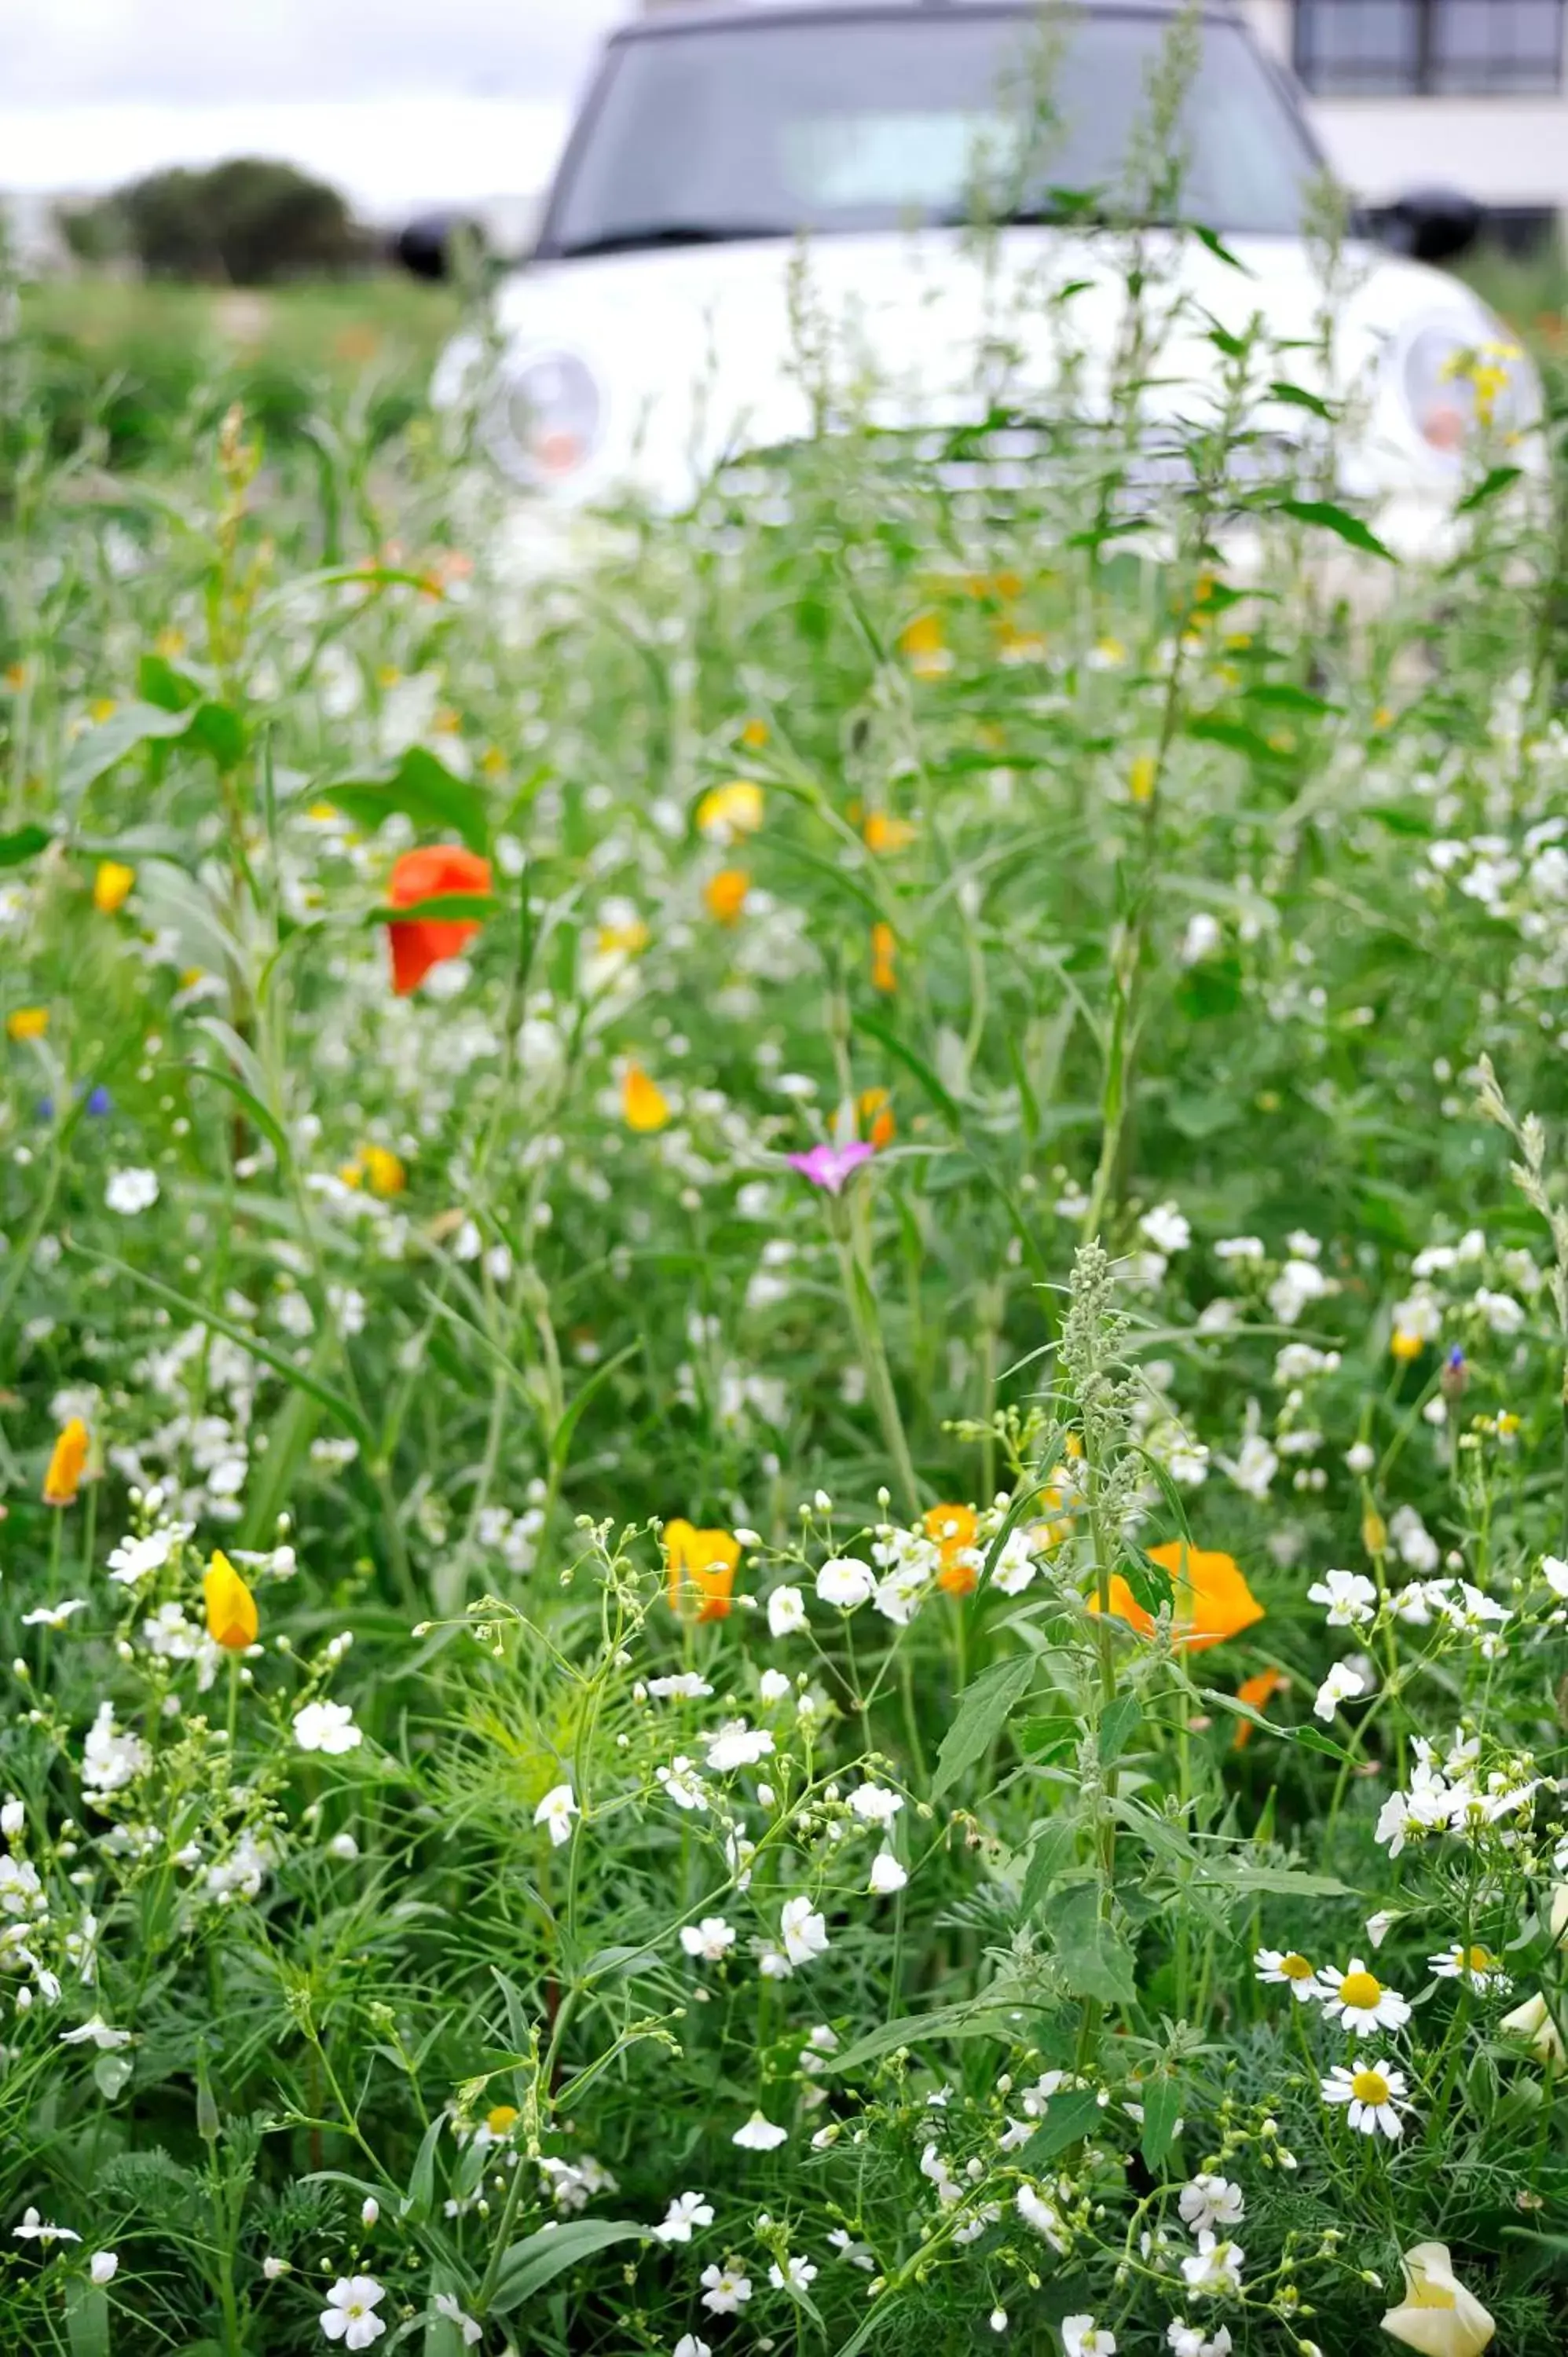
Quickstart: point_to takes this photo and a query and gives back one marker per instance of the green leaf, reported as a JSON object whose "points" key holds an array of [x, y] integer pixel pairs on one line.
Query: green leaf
{"points": [[421, 2195], [993, 2014], [1338, 521], [530, 2265], [421, 788], [1161, 2109], [1068, 2119], [1221, 250], [1497, 479], [1309, 1737], [100, 748], [1297, 396], [1151, 1584], [26, 843], [1095, 1959], [86, 2318], [442, 907], [157, 682], [1275, 1881], [1121, 1716], [1054, 1845], [220, 731], [984, 1709]]}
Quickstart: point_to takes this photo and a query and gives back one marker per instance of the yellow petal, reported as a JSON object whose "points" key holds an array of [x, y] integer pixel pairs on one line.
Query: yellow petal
{"points": [[643, 1102], [232, 1618], [111, 885]]}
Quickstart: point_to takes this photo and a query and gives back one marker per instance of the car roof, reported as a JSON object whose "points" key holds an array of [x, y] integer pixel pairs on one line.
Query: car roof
{"points": [[665, 16]]}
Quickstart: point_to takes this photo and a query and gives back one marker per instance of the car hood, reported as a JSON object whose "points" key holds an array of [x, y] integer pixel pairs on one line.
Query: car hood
{"points": [[697, 352]]}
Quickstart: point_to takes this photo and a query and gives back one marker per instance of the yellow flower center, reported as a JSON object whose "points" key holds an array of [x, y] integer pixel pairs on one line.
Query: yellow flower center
{"points": [[1478, 1960], [1370, 2087], [1294, 1967], [1360, 1990]]}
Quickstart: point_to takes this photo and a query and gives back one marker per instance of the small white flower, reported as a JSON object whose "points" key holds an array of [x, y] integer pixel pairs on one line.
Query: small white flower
{"points": [[886, 1875], [685, 2211], [130, 1191], [874, 1804], [273, 2268], [773, 1686], [1343, 1684], [690, 2346], [1475, 1965], [97, 2033], [759, 2134], [1373, 2091], [724, 2289], [685, 1687], [802, 1931], [709, 1941], [1211, 2201], [786, 1613], [349, 2313], [103, 2265], [1196, 2341], [1166, 1228], [1042, 2216], [13, 1817], [34, 2228], [1361, 1457], [845, 1582], [1349, 1596], [1554, 1571], [370, 2210], [327, 1727], [1378, 1926], [1360, 2000], [54, 1616], [445, 2305], [1288, 1969], [796, 2275], [1081, 2337], [737, 1745], [344, 1846], [557, 1810], [1215, 2268]]}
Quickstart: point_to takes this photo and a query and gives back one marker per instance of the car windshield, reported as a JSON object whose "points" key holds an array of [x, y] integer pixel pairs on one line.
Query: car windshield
{"points": [[710, 133]]}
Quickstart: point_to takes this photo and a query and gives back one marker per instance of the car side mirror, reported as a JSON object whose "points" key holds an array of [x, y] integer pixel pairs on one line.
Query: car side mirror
{"points": [[433, 247], [1430, 224]]}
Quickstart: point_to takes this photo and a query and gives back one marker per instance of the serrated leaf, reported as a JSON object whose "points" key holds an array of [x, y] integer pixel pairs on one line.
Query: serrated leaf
{"points": [[1119, 1719], [1053, 1849], [1162, 2110], [1094, 1957], [530, 2265], [984, 1709], [1340, 521]]}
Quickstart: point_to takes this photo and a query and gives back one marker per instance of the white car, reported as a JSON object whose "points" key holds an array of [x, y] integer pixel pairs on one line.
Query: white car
{"points": [[733, 163]]}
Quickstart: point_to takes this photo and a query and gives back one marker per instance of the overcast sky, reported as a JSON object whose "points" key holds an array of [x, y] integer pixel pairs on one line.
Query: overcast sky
{"points": [[396, 99]]}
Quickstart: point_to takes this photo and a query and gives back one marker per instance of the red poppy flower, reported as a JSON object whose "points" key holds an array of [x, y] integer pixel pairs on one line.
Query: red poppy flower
{"points": [[432, 873]]}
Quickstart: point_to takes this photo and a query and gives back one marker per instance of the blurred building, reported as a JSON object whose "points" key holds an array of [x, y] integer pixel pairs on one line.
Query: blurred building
{"points": [[1469, 94]]}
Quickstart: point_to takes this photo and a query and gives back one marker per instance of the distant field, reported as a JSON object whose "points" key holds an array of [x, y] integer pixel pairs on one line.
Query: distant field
{"points": [[146, 361]]}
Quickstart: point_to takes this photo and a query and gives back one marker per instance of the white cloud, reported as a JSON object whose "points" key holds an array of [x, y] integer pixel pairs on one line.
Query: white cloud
{"points": [[398, 102]]}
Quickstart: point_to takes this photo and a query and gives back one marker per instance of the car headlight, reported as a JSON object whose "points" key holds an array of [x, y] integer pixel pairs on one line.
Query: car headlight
{"points": [[545, 418], [1463, 380]]}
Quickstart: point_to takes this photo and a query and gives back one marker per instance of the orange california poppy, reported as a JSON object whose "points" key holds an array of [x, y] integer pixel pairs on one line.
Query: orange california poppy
{"points": [[724, 895], [1213, 1600], [705, 1560], [67, 1462], [873, 1106], [884, 956], [953, 1529], [643, 1103], [431, 873], [1257, 1690]]}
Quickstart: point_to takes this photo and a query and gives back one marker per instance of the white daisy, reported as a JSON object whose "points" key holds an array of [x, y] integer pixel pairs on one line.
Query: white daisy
{"points": [[1360, 2000], [1374, 2092], [1290, 1970], [1475, 1963]]}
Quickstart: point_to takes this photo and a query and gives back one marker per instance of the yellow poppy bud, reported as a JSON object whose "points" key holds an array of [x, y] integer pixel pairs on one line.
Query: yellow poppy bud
{"points": [[727, 812], [643, 1103], [754, 735], [231, 1620], [383, 1168], [111, 885], [885, 833], [27, 1023], [884, 955], [1141, 777], [1374, 1531], [67, 1462]]}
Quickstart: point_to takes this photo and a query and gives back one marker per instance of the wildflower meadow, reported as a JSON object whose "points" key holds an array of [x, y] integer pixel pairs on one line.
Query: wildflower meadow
{"points": [[783, 1339]]}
